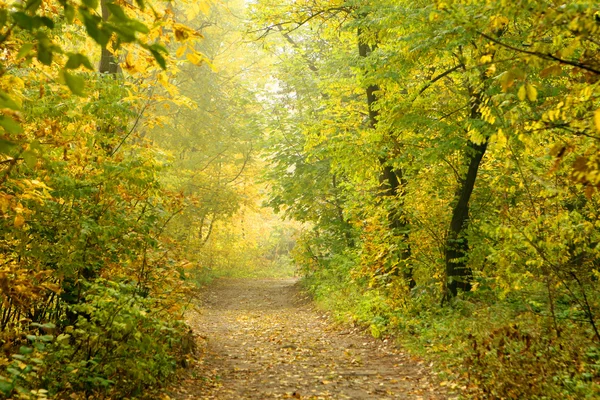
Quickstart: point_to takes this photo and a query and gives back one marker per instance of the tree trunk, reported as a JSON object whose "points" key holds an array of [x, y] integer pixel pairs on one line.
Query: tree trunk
{"points": [[344, 223], [458, 273], [108, 64], [391, 180]]}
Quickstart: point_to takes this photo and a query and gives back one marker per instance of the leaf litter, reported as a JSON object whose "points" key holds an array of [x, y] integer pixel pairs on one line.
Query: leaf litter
{"points": [[263, 339]]}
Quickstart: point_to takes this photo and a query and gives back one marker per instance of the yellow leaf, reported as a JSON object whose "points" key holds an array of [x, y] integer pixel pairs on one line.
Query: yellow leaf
{"points": [[507, 80], [194, 58], [204, 6], [191, 11], [52, 287], [19, 221], [183, 33], [180, 51], [597, 119], [553, 70], [500, 139], [522, 93], [498, 22], [130, 64], [531, 92], [4, 203]]}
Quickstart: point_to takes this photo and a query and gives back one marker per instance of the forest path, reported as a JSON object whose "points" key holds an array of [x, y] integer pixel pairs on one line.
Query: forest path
{"points": [[262, 339]]}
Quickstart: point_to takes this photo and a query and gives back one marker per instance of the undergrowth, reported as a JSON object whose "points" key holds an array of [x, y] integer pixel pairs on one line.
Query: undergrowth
{"points": [[281, 268], [480, 346]]}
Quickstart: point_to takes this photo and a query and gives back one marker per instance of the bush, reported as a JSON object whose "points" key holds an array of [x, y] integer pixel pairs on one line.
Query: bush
{"points": [[120, 343]]}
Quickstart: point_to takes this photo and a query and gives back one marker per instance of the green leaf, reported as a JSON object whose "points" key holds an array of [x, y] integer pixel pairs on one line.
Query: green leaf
{"points": [[6, 146], [69, 13], [91, 25], [86, 63], [117, 12], [159, 47], [10, 125], [124, 31], [3, 17], [6, 387], [75, 83], [93, 4], [141, 4], [76, 60], [25, 50], [30, 158], [159, 58], [47, 325], [47, 22], [33, 5], [25, 350], [44, 48], [138, 26], [47, 338], [24, 21], [36, 145], [44, 55], [63, 337], [7, 102]]}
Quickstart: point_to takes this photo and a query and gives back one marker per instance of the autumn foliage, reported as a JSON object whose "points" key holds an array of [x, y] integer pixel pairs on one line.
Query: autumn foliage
{"points": [[90, 296], [445, 156], [440, 157]]}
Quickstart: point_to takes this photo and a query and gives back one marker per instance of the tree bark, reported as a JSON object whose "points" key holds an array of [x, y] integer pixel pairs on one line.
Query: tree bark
{"points": [[459, 274], [345, 224], [391, 180], [108, 64]]}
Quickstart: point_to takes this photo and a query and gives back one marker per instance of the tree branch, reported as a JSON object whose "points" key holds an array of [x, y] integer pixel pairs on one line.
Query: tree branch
{"points": [[437, 78], [545, 56], [334, 10]]}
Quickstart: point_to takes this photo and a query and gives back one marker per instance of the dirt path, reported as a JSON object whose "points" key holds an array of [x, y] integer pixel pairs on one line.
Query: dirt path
{"points": [[263, 340]]}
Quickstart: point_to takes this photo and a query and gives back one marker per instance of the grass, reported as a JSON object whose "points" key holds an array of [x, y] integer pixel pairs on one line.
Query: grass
{"points": [[281, 268]]}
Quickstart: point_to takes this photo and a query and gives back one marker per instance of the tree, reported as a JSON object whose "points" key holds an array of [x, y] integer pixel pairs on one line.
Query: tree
{"points": [[483, 119], [84, 280]]}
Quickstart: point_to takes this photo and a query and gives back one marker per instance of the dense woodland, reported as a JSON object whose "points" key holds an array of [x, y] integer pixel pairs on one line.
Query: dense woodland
{"points": [[434, 167]]}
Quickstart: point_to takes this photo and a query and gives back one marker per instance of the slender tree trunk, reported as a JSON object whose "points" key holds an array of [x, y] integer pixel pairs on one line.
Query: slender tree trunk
{"points": [[108, 64], [346, 226], [459, 274], [391, 180]]}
